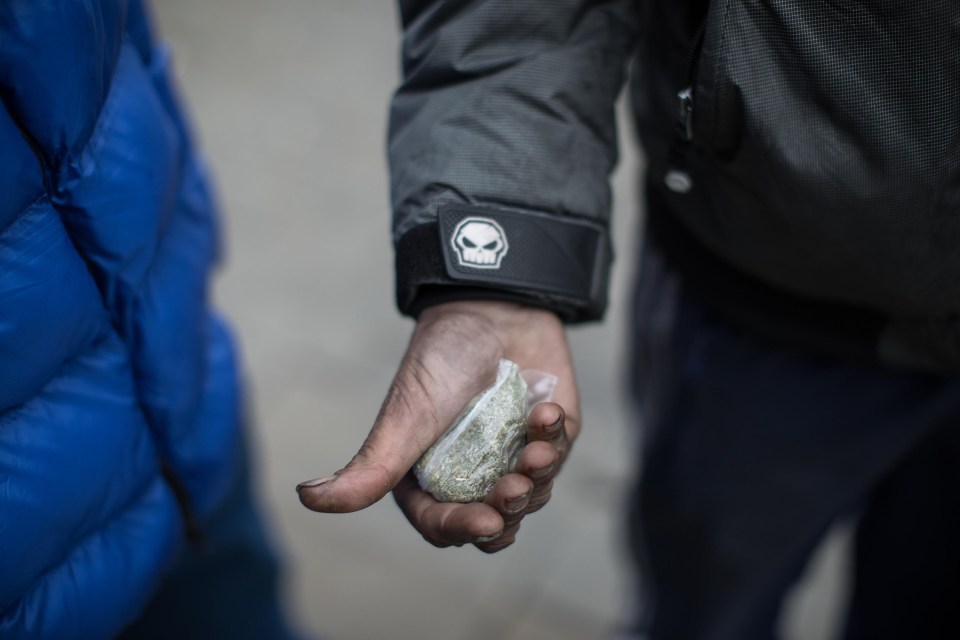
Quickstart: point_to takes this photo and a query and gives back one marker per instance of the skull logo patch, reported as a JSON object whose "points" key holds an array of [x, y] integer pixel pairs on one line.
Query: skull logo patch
{"points": [[480, 243]]}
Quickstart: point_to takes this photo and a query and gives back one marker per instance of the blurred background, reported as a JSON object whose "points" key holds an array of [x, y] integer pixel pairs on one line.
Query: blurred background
{"points": [[290, 103]]}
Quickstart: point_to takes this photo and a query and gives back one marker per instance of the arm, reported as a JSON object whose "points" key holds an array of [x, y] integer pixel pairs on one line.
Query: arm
{"points": [[509, 107], [504, 119]]}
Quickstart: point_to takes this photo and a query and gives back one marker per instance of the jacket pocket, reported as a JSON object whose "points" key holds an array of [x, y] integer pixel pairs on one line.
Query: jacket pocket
{"points": [[709, 116], [709, 106]]}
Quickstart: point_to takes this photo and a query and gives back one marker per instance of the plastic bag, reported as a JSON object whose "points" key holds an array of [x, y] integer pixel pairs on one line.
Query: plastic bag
{"points": [[484, 441]]}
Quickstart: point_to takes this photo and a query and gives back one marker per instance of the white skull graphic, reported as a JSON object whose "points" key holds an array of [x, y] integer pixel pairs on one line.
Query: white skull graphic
{"points": [[480, 243]]}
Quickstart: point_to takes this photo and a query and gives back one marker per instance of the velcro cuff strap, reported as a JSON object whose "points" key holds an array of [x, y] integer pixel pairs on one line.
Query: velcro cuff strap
{"points": [[551, 261]]}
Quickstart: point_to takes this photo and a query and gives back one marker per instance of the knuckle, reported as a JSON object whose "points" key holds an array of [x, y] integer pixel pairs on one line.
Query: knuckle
{"points": [[440, 544], [514, 519], [536, 507], [443, 526], [543, 489], [494, 547], [538, 502], [543, 476]]}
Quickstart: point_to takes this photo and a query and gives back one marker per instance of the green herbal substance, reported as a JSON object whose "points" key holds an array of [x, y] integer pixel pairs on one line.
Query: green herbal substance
{"points": [[481, 445]]}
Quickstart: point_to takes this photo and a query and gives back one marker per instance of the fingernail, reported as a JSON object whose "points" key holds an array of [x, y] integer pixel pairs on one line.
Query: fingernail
{"points": [[517, 504], [555, 427], [482, 539], [542, 473], [316, 482]]}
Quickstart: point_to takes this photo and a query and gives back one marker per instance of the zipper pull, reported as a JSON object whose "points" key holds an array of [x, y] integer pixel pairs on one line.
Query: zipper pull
{"points": [[686, 112], [677, 179]]}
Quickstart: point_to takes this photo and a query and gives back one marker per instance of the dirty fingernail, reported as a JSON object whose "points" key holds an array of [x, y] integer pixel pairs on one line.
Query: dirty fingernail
{"points": [[316, 482], [482, 539], [517, 504], [555, 427]]}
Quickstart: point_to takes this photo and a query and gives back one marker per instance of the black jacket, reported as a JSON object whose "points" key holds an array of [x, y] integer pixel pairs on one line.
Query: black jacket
{"points": [[815, 152]]}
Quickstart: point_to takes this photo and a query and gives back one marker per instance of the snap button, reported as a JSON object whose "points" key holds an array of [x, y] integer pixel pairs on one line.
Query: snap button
{"points": [[678, 181]]}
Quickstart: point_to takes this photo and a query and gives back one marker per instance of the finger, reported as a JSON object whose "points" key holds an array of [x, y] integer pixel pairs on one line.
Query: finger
{"points": [[501, 542], [548, 423], [539, 461], [539, 497], [548, 351], [439, 375], [446, 523], [510, 496], [358, 485]]}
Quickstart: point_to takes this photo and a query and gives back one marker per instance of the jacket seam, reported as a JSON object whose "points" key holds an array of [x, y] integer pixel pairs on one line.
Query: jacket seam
{"points": [[84, 538], [69, 363]]}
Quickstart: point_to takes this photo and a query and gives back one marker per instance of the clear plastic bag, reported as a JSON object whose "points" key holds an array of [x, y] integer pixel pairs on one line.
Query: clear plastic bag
{"points": [[484, 441]]}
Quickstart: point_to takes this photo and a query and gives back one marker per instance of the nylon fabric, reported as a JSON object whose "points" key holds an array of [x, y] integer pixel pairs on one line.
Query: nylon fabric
{"points": [[42, 280], [114, 570], [115, 367], [827, 149], [22, 179], [86, 38]]}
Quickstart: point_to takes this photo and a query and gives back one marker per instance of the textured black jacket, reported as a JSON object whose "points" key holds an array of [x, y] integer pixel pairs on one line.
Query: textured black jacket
{"points": [[814, 149]]}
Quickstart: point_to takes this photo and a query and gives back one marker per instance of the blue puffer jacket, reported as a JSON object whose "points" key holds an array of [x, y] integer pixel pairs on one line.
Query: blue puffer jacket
{"points": [[116, 381]]}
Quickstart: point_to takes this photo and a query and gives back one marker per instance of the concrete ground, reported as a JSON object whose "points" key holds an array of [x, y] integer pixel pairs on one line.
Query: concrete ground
{"points": [[290, 103]]}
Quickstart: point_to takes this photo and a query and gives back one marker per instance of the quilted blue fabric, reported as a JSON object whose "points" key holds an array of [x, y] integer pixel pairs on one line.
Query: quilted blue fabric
{"points": [[113, 370]]}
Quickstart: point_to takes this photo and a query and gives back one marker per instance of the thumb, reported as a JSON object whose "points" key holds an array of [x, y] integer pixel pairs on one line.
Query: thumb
{"points": [[361, 483], [427, 394]]}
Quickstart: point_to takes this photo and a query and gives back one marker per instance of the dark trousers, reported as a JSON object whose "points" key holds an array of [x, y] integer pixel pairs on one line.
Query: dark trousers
{"points": [[752, 449]]}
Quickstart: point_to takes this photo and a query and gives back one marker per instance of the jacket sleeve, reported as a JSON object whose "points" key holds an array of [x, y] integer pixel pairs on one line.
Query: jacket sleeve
{"points": [[501, 143]]}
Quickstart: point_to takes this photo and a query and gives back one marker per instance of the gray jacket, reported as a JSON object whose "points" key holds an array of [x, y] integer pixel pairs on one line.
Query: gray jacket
{"points": [[815, 149]]}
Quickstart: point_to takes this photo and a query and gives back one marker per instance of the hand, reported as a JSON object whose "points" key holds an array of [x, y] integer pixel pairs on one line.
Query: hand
{"points": [[453, 355]]}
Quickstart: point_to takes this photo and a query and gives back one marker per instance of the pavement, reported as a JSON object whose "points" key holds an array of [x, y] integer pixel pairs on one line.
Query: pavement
{"points": [[289, 100]]}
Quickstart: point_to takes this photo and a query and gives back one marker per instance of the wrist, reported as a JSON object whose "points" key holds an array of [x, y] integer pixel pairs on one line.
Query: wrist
{"points": [[521, 333], [498, 314]]}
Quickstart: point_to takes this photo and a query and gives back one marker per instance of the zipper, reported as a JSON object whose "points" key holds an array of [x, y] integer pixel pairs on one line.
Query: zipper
{"points": [[677, 179], [689, 80], [693, 53], [686, 113]]}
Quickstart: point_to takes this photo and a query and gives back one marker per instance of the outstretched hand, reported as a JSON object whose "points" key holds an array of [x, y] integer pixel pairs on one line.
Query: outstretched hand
{"points": [[453, 355]]}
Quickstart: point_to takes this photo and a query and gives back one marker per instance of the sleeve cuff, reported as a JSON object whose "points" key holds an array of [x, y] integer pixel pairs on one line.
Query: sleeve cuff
{"points": [[473, 253]]}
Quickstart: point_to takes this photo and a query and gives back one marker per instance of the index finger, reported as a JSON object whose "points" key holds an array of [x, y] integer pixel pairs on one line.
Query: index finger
{"points": [[548, 423]]}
